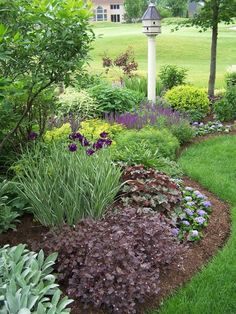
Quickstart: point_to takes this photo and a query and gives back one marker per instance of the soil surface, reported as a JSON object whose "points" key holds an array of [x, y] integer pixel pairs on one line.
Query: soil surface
{"points": [[197, 255]]}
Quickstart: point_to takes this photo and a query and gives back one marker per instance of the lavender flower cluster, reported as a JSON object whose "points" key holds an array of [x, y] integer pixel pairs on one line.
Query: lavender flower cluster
{"points": [[193, 215], [102, 142], [146, 114]]}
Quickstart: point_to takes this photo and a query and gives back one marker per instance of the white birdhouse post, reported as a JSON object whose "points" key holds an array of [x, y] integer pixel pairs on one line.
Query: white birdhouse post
{"points": [[151, 27]]}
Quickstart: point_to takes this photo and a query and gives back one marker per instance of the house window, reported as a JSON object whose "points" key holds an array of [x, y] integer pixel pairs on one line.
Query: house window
{"points": [[115, 18], [115, 6], [101, 14]]}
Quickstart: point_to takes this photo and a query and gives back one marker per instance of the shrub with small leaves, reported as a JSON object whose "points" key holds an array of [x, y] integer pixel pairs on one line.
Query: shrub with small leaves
{"points": [[27, 284], [189, 99], [172, 75], [150, 190], [116, 262]]}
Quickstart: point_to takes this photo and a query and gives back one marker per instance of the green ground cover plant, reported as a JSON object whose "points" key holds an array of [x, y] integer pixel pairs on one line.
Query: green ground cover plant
{"points": [[210, 163], [27, 284], [63, 184]]}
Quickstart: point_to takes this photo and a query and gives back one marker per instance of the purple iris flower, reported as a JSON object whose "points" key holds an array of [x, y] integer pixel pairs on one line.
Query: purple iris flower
{"points": [[104, 135], [201, 212], [200, 220], [108, 142], [175, 231], [72, 147], [84, 142], [207, 204], [76, 136], [188, 211], [32, 136], [90, 151]]}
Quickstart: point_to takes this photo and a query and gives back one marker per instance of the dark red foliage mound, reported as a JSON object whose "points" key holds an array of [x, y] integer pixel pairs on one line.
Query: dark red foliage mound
{"points": [[116, 262], [150, 189]]}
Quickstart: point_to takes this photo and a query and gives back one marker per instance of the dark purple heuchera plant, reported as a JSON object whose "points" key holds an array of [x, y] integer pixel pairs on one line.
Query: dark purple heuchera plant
{"points": [[102, 142], [115, 262]]}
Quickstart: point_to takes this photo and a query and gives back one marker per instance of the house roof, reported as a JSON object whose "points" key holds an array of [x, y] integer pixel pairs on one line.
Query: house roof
{"points": [[151, 13]]}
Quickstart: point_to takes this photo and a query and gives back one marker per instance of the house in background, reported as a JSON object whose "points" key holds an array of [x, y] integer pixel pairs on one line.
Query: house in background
{"points": [[109, 10], [194, 7]]}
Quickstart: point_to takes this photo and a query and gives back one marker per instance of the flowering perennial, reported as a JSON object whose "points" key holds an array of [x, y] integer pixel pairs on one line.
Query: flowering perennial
{"points": [[102, 142]]}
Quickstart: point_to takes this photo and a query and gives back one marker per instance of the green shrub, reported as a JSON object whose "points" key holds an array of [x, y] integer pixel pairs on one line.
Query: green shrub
{"points": [[172, 75], [77, 103], [115, 99], [11, 206], [183, 131], [159, 142], [139, 84], [230, 79], [139, 153], [64, 187], [27, 284], [189, 99], [225, 109]]}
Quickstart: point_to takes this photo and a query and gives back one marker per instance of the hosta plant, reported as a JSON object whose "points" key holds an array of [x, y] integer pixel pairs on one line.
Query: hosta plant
{"points": [[27, 284], [150, 190], [115, 262]]}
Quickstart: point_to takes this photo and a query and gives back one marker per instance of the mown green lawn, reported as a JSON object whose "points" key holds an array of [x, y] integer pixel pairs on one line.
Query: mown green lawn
{"points": [[213, 290], [186, 47]]}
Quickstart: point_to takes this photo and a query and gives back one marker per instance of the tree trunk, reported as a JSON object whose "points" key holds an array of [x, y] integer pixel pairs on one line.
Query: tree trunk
{"points": [[212, 78]]}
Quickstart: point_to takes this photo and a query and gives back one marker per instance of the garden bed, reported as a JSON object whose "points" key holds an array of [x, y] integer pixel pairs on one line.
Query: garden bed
{"points": [[198, 254]]}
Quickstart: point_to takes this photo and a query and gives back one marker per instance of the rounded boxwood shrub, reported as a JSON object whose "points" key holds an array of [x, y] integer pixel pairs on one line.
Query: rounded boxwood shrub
{"points": [[190, 99], [159, 142]]}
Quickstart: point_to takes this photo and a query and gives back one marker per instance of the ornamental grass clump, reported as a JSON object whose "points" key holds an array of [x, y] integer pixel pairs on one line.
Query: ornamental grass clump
{"points": [[114, 263], [63, 186]]}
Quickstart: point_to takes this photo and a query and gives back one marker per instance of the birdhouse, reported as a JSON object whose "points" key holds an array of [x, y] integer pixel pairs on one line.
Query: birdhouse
{"points": [[151, 21]]}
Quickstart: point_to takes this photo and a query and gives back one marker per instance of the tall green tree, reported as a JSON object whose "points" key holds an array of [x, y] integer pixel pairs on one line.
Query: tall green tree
{"points": [[212, 13], [41, 43], [177, 8], [133, 9]]}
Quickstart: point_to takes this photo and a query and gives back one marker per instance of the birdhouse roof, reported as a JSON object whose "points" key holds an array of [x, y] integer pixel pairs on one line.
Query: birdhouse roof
{"points": [[151, 13]]}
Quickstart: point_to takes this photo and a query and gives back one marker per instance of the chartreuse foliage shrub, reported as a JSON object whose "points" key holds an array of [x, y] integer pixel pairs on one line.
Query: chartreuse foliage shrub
{"points": [[225, 109], [61, 133], [115, 262], [189, 99], [64, 187], [77, 103], [27, 284], [115, 99], [92, 128], [160, 142]]}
